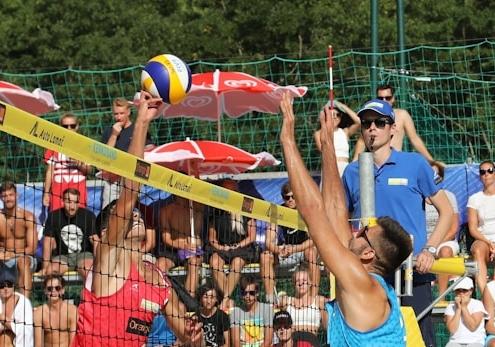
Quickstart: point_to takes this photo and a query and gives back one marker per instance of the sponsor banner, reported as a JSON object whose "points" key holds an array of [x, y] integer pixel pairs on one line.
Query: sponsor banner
{"points": [[48, 135]]}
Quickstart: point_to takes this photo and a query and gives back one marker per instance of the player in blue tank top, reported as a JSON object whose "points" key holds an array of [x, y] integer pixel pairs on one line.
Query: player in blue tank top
{"points": [[365, 311]]}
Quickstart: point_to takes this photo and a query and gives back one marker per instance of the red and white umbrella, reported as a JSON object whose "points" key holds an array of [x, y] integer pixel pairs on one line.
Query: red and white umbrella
{"points": [[224, 92], [207, 157], [202, 158], [38, 102]]}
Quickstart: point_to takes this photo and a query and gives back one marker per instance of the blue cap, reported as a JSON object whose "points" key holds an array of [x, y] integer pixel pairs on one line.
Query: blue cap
{"points": [[378, 106], [7, 275]]}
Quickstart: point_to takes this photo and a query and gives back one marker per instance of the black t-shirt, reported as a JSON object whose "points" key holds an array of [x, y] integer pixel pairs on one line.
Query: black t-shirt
{"points": [[71, 234], [214, 327], [291, 236], [221, 221], [124, 139]]}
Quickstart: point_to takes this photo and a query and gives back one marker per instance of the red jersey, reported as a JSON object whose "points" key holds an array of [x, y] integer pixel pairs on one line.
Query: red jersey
{"points": [[64, 176], [122, 319]]}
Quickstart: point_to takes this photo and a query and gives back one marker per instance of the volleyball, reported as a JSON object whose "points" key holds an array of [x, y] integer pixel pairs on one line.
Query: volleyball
{"points": [[168, 77]]}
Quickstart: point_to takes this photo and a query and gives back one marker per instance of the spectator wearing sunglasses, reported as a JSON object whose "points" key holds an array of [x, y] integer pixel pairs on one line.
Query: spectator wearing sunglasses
{"points": [[346, 124], [481, 221], [283, 326], [402, 182], [287, 247], [63, 172], [55, 321], [16, 313], [251, 322], [404, 126]]}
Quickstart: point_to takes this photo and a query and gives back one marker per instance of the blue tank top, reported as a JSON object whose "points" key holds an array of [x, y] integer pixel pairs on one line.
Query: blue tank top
{"points": [[391, 333], [160, 333]]}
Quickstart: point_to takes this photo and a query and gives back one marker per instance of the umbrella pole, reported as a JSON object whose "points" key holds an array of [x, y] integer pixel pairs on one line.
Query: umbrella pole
{"points": [[219, 129], [216, 82], [330, 76], [192, 169]]}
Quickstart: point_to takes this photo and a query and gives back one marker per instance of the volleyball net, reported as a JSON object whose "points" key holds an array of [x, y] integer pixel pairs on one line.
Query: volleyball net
{"points": [[447, 90]]}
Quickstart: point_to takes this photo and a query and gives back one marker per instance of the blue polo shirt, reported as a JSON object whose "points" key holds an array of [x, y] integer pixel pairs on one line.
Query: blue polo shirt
{"points": [[401, 185]]}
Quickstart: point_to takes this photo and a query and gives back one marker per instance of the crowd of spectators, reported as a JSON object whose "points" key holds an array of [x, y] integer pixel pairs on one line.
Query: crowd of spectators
{"points": [[234, 309]]}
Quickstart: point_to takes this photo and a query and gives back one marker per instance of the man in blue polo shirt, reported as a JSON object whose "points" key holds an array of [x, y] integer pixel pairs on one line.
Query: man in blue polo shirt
{"points": [[402, 182]]}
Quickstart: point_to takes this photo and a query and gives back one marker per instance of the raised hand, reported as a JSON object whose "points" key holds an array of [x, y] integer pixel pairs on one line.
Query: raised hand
{"points": [[327, 127], [148, 106], [287, 132]]}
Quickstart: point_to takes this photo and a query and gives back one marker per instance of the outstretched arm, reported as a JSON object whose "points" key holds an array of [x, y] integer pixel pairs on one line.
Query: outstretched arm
{"points": [[346, 267], [109, 250], [358, 293], [333, 193]]}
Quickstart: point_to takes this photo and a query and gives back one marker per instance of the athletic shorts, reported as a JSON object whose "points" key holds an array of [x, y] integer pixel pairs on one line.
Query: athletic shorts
{"points": [[454, 246], [291, 260], [12, 263]]}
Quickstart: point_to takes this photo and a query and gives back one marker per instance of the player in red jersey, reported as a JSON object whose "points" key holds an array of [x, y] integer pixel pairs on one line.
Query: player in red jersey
{"points": [[123, 293]]}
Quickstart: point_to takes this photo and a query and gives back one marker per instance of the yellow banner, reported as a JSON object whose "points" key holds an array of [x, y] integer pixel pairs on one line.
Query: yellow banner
{"points": [[48, 135]]}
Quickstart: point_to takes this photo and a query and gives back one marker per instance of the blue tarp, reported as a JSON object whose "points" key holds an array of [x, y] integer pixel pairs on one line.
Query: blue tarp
{"points": [[462, 180]]}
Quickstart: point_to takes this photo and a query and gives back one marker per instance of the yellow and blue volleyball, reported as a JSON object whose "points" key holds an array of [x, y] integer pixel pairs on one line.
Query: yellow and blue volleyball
{"points": [[168, 77]]}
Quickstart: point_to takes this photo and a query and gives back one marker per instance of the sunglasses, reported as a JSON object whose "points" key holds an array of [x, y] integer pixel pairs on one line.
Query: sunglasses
{"points": [[364, 235], [51, 288], [6, 284], [489, 171], [301, 283], [69, 126], [283, 327], [288, 197], [388, 97], [379, 123], [248, 292]]}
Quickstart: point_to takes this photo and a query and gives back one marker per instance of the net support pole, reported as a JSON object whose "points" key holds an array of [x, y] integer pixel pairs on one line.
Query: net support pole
{"points": [[366, 186]]}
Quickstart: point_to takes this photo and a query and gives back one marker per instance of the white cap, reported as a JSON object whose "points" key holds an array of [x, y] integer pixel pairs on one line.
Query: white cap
{"points": [[466, 283]]}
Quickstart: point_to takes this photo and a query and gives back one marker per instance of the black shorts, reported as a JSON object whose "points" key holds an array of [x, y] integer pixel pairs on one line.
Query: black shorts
{"points": [[247, 253]]}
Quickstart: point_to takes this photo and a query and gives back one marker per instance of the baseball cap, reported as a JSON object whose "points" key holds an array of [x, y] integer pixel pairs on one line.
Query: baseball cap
{"points": [[7, 275], [335, 106], [282, 317], [466, 283], [378, 106]]}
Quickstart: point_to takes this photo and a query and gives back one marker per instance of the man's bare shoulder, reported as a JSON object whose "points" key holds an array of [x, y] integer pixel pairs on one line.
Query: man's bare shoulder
{"points": [[39, 309], [371, 297], [401, 114], [24, 214]]}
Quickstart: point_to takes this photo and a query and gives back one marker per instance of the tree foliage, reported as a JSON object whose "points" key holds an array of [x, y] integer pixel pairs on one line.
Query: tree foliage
{"points": [[71, 36], [89, 34]]}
